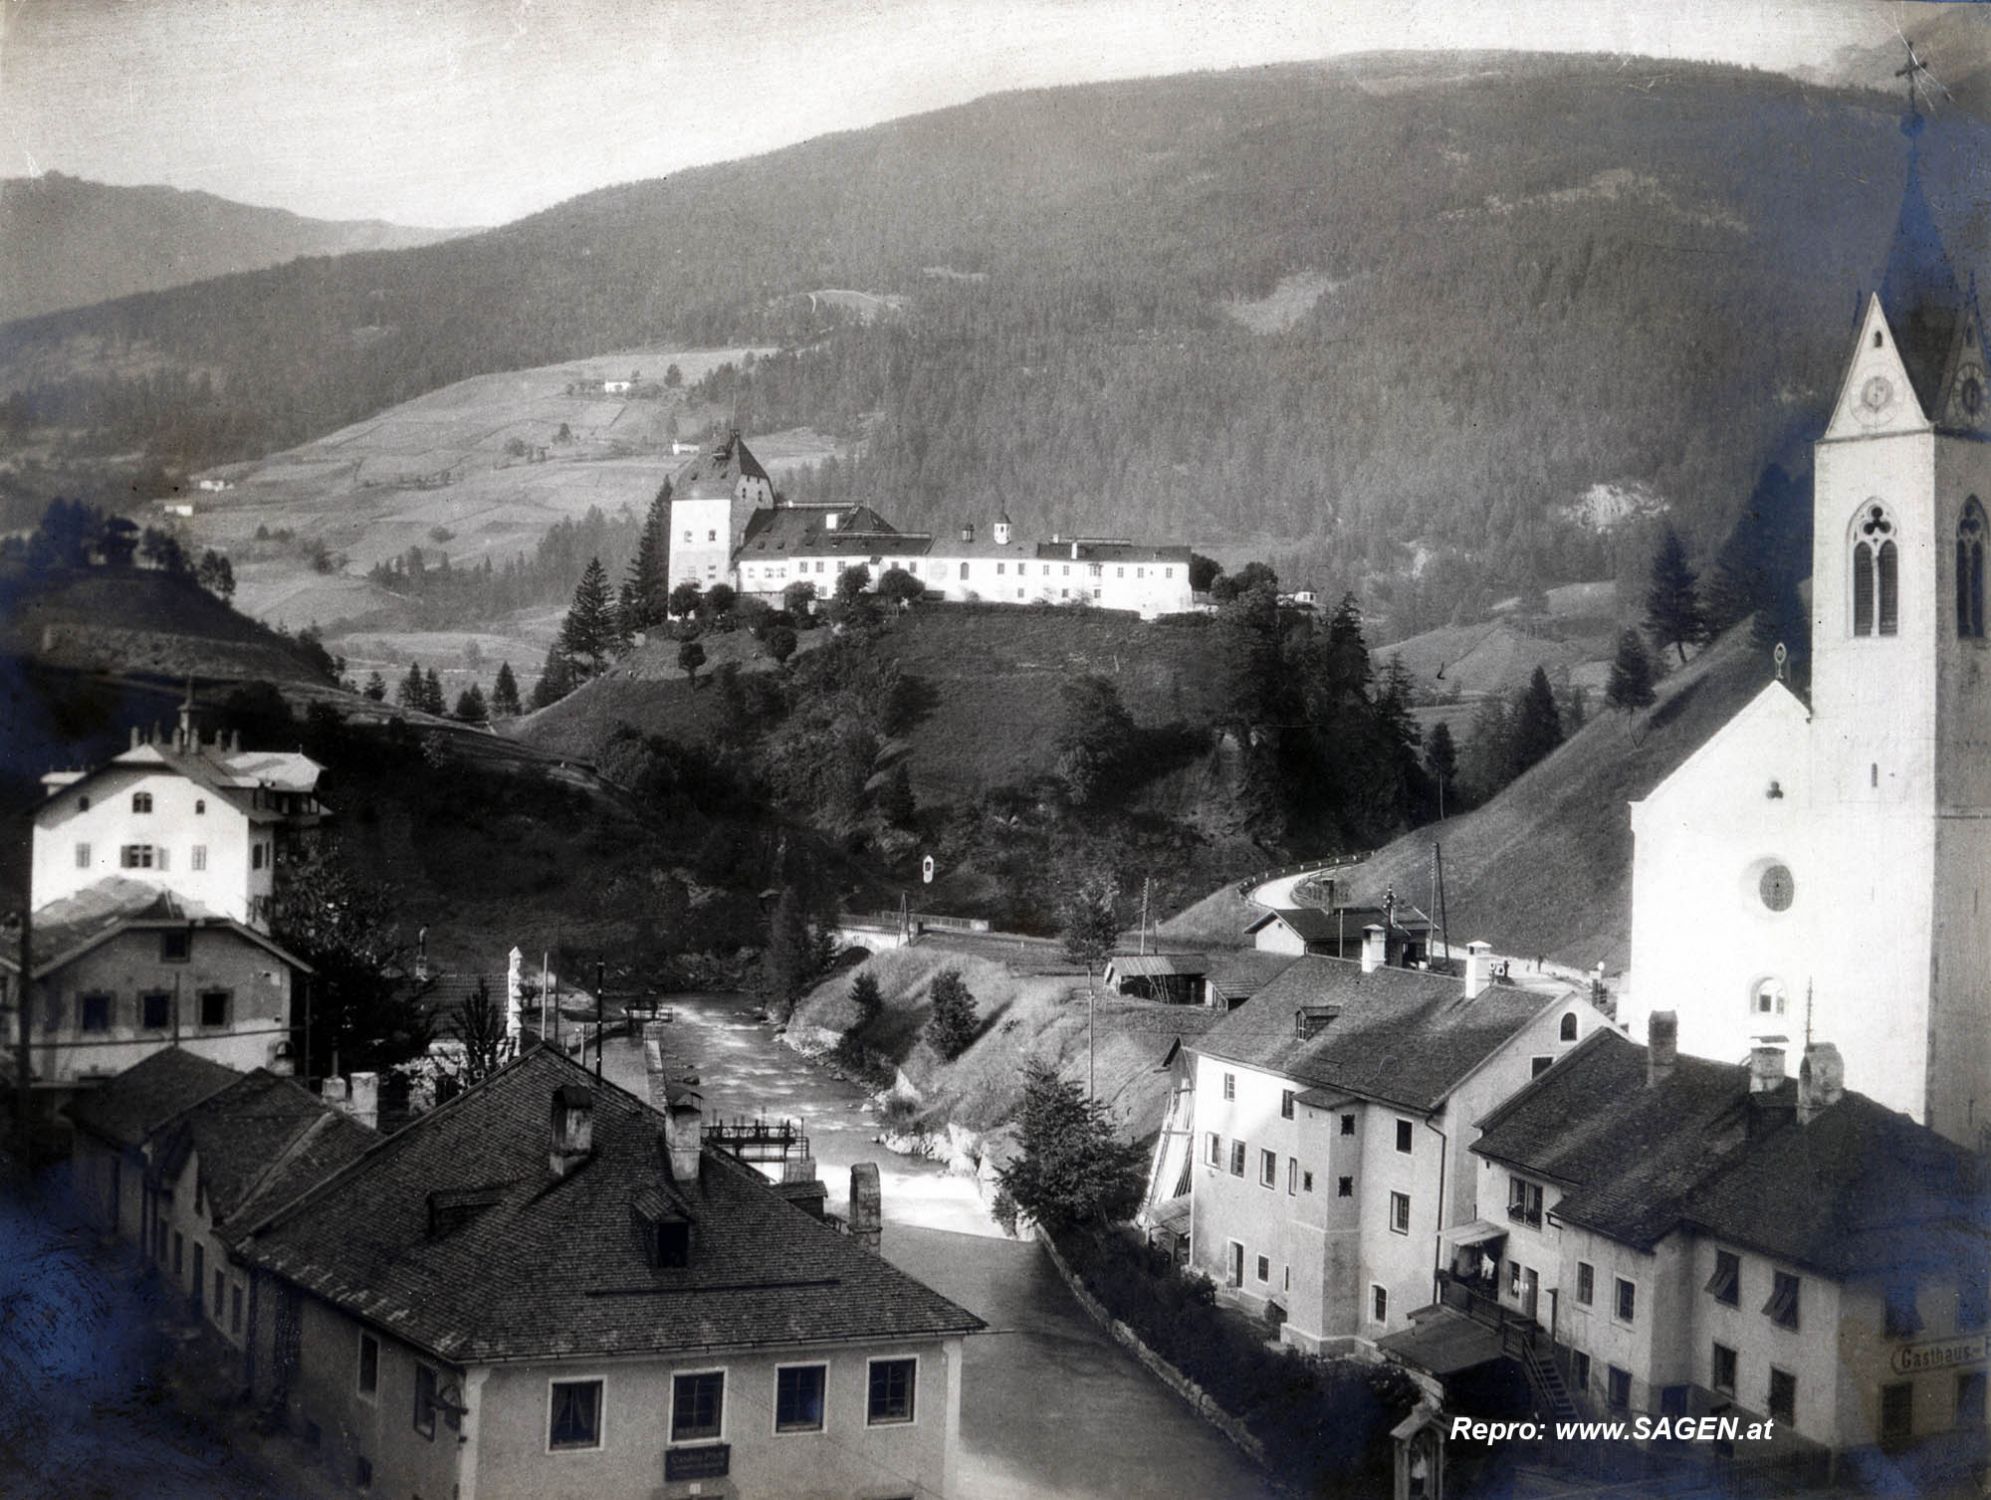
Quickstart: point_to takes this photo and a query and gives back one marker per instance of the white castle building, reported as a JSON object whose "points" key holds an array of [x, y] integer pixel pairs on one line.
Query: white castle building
{"points": [[726, 526], [1822, 869]]}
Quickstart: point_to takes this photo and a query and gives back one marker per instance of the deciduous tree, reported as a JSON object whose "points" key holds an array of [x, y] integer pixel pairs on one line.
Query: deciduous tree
{"points": [[1071, 1169], [690, 657]]}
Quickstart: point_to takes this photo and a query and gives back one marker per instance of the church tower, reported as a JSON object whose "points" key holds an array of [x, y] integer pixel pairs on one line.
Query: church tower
{"points": [[1825, 872], [1901, 679]]}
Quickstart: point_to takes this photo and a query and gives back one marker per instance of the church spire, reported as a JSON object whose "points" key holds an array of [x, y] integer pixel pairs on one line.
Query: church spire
{"points": [[1920, 293]]}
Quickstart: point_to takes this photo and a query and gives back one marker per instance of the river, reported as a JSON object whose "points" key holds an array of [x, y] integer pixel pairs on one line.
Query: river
{"points": [[1051, 1408]]}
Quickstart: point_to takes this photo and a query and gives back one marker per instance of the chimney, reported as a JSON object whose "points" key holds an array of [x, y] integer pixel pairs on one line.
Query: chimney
{"points": [[1374, 950], [1479, 967], [134, 737], [1662, 1041], [422, 955], [514, 995], [573, 1139], [1766, 1066], [867, 1205], [364, 1101], [682, 1121], [968, 532], [1821, 1081], [335, 1093]]}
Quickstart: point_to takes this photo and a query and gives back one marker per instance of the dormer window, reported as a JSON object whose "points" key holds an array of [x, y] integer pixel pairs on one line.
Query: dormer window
{"points": [[662, 1231]]}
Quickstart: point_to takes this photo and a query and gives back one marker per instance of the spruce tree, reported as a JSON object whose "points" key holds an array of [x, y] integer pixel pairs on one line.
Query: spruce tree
{"points": [[1630, 687], [649, 570], [556, 679], [864, 995], [411, 692], [1673, 613], [1537, 724], [896, 802], [470, 705], [1441, 764], [504, 693], [432, 698], [376, 687], [587, 635]]}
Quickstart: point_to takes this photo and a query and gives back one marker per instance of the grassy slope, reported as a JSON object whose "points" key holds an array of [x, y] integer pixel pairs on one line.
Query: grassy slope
{"points": [[995, 674], [1545, 867]]}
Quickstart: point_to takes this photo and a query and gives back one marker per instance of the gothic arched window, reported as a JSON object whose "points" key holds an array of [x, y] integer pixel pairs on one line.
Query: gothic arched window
{"points": [[1970, 571], [1876, 574]]}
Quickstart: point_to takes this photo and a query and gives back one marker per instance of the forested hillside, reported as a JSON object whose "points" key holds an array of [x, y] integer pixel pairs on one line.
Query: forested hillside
{"points": [[1421, 331], [65, 242]]}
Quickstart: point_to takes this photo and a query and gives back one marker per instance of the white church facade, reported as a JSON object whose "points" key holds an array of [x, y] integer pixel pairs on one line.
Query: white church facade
{"points": [[1822, 870]]}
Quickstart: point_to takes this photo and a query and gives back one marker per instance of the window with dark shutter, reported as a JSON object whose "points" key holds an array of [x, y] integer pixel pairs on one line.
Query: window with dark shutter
{"points": [[1725, 1285]]}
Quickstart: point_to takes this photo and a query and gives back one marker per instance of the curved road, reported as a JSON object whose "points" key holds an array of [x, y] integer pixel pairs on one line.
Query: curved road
{"points": [[1051, 1408]]}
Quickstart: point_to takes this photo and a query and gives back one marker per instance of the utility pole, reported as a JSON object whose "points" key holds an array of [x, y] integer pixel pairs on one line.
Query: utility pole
{"points": [[601, 1029], [1091, 1009], [1145, 882], [22, 1066]]}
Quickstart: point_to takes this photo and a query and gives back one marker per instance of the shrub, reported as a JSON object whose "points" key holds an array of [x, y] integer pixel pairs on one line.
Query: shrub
{"points": [[953, 1024]]}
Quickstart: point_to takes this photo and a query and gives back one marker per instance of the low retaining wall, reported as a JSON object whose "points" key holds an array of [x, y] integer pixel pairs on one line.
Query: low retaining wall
{"points": [[1205, 1404]]}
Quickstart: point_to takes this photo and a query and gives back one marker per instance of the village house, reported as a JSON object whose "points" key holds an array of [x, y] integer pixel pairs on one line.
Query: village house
{"points": [[152, 876], [107, 1160], [123, 969], [546, 1287], [726, 526], [1695, 1238], [1830, 855], [1329, 1117]]}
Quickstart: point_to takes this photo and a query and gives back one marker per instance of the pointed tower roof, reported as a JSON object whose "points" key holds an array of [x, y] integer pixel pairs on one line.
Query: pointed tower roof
{"points": [[1920, 293]]}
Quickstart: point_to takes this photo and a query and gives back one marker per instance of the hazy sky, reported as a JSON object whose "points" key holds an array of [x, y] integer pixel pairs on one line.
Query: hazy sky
{"points": [[453, 112]]}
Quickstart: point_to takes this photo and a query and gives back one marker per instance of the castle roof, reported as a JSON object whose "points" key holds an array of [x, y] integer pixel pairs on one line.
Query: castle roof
{"points": [[804, 530], [716, 469]]}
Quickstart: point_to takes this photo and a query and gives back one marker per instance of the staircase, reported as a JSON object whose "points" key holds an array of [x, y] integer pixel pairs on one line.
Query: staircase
{"points": [[1552, 1397]]}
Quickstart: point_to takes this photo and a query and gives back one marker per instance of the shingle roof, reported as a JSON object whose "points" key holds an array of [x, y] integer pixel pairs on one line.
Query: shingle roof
{"points": [[716, 468], [1626, 1154], [1405, 1036], [1158, 965], [790, 531], [1242, 974], [1858, 1188], [575, 1280], [130, 1106], [65, 929], [1111, 551], [245, 1134]]}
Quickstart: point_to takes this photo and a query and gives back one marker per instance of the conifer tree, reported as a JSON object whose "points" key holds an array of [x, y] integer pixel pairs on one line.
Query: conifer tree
{"points": [[1630, 687], [1537, 724], [412, 692], [470, 705], [895, 802], [1673, 613], [504, 693], [556, 679], [588, 634], [1441, 761], [649, 570], [865, 996], [432, 698], [376, 687]]}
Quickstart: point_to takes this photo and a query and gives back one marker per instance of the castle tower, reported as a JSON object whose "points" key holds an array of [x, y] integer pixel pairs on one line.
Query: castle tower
{"points": [[1002, 529], [713, 495], [1827, 871]]}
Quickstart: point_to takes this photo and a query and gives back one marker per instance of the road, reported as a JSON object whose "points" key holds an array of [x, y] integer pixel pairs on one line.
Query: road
{"points": [[1051, 1408]]}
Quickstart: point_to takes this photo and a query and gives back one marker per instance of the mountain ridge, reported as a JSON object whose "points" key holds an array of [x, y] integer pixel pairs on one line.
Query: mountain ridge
{"points": [[69, 242]]}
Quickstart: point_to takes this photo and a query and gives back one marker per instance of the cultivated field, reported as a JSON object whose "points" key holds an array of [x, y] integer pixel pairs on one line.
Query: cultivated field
{"points": [[474, 470]]}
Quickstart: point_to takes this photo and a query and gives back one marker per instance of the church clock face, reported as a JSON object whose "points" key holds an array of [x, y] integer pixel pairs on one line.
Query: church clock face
{"points": [[1972, 396], [1877, 393]]}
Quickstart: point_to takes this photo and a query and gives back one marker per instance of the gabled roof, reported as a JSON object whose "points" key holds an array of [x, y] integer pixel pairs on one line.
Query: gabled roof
{"points": [[1626, 1154], [128, 1107], [263, 1138], [1158, 965], [1402, 1036], [791, 531], [1858, 1189], [232, 776], [1242, 973], [66, 929], [575, 1280], [1310, 923], [715, 469]]}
